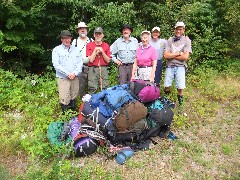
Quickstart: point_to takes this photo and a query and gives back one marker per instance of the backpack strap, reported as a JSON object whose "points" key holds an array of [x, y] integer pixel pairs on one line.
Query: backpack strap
{"points": [[76, 43]]}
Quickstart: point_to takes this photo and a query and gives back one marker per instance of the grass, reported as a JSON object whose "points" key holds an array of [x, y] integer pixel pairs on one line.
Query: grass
{"points": [[207, 148]]}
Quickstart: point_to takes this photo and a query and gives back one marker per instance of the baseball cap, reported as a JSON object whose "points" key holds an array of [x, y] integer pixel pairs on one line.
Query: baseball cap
{"points": [[145, 31], [156, 28], [180, 24], [98, 30], [65, 33]]}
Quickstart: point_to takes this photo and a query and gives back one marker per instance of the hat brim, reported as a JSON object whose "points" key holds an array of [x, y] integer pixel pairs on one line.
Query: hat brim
{"points": [[98, 32], [82, 27], [131, 29]]}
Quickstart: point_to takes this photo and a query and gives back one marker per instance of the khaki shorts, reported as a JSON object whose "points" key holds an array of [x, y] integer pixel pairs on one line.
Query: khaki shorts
{"points": [[143, 73]]}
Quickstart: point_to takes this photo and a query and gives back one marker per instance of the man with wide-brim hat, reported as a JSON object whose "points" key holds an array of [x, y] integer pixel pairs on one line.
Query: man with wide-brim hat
{"points": [[159, 44], [123, 52], [80, 43], [67, 62], [176, 54]]}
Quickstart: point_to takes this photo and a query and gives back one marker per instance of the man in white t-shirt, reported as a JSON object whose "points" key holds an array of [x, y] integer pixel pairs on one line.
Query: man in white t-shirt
{"points": [[80, 43]]}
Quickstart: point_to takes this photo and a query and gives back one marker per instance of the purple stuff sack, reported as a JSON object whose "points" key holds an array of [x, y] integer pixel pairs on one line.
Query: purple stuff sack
{"points": [[74, 127], [144, 90], [85, 146]]}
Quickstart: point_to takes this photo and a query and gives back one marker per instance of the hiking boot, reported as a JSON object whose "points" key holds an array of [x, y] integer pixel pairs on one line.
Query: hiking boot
{"points": [[166, 93], [64, 108], [72, 104]]}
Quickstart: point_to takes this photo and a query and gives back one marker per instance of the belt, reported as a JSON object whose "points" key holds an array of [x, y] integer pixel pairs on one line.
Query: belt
{"points": [[127, 64], [144, 66], [175, 65], [97, 66]]}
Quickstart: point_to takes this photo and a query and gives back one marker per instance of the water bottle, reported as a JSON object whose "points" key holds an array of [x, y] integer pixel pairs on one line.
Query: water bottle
{"points": [[123, 155]]}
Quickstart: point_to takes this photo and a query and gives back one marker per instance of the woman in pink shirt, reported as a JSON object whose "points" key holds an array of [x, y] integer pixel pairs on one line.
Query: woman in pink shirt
{"points": [[144, 66]]}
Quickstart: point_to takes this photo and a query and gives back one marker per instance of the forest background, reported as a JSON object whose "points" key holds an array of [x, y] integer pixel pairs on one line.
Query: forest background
{"points": [[29, 30]]}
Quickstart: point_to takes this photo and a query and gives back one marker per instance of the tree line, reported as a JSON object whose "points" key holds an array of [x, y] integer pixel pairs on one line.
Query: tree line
{"points": [[29, 30]]}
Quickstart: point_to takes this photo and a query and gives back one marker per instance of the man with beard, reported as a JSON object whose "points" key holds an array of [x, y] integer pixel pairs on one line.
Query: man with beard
{"points": [[67, 62], [80, 43], [123, 52], [98, 53], [177, 53]]}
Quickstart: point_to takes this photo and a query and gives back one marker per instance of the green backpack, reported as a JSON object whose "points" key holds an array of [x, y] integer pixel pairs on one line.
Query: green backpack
{"points": [[54, 134]]}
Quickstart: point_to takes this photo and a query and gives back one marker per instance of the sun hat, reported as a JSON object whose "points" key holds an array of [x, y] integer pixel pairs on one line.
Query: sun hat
{"points": [[98, 30], [156, 28], [126, 26], [178, 24], [81, 25], [65, 33]]}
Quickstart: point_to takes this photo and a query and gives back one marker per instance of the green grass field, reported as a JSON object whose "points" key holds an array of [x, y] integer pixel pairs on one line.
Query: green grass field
{"points": [[207, 148]]}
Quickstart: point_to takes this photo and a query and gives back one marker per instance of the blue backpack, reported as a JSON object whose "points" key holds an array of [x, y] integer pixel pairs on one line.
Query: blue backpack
{"points": [[111, 99]]}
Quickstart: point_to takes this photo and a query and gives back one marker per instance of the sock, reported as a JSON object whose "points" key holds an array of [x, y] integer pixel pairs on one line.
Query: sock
{"points": [[166, 93], [180, 100]]}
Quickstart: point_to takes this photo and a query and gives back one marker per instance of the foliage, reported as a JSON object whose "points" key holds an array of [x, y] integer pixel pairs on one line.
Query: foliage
{"points": [[30, 29]]}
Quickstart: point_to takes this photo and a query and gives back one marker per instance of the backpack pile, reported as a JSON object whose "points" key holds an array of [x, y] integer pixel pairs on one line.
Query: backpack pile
{"points": [[125, 115]]}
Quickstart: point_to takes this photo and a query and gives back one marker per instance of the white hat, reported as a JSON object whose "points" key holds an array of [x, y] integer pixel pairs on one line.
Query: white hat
{"points": [[145, 31], [82, 24], [156, 28], [179, 24]]}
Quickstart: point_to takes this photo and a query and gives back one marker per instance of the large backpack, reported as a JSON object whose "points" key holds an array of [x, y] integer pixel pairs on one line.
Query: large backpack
{"points": [[110, 99], [93, 115], [129, 114], [159, 118], [144, 91], [160, 114]]}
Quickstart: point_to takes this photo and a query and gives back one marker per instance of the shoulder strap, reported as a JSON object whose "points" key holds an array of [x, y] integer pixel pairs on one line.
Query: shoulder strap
{"points": [[76, 43]]}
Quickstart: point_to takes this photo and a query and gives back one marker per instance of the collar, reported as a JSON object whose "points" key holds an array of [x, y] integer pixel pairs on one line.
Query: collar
{"points": [[65, 47], [122, 39], [88, 39], [175, 38], [145, 47]]}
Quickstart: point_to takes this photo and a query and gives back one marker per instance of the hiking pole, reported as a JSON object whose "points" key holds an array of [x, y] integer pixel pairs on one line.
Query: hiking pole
{"points": [[100, 73]]}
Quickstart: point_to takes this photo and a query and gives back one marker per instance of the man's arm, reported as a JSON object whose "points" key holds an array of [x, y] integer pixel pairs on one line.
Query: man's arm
{"points": [[106, 57], [56, 63], [181, 56], [154, 65], [93, 56], [134, 69], [114, 50]]}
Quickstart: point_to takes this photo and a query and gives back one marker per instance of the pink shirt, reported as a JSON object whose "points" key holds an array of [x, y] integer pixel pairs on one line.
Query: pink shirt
{"points": [[145, 56]]}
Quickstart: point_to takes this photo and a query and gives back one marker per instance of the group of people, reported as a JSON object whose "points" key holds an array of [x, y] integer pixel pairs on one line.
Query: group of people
{"points": [[84, 61]]}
